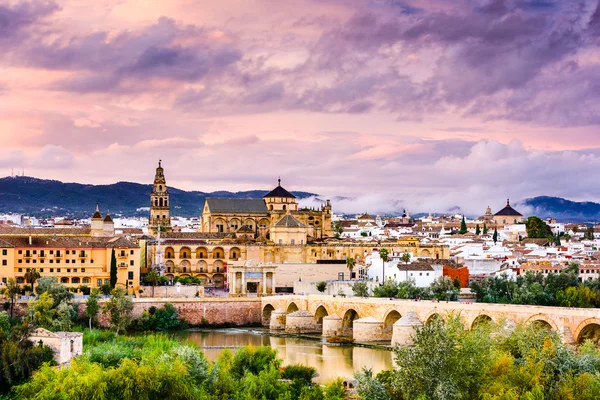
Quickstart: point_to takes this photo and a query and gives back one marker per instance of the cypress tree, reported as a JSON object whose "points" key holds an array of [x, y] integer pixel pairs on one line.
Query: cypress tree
{"points": [[113, 270], [477, 230], [463, 226], [495, 237], [485, 229]]}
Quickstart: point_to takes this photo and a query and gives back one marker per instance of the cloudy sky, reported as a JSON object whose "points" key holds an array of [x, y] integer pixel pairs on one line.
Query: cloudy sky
{"points": [[423, 104]]}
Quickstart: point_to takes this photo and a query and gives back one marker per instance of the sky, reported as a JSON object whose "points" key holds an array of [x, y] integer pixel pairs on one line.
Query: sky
{"points": [[390, 104]]}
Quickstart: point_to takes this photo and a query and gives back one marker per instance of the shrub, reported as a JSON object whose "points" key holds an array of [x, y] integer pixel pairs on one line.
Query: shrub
{"points": [[340, 339]]}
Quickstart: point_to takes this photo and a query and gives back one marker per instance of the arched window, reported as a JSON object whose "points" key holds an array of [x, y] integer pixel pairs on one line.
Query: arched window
{"points": [[166, 203], [155, 202], [160, 188], [160, 202], [284, 207]]}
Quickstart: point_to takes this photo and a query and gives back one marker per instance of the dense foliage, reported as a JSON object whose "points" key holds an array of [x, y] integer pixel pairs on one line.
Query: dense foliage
{"points": [[154, 367], [561, 289], [488, 362], [442, 288], [536, 228], [19, 357]]}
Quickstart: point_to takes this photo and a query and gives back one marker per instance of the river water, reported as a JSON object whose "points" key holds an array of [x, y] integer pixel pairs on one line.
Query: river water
{"points": [[329, 361]]}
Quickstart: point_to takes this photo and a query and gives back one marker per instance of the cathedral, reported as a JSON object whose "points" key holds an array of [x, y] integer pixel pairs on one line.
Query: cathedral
{"points": [[276, 217]]}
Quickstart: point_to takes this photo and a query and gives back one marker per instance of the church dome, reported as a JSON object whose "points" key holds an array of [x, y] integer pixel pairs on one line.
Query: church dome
{"points": [[279, 192]]}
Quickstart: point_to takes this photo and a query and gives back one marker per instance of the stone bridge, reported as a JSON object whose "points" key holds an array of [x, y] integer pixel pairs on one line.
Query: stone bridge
{"points": [[376, 319]]}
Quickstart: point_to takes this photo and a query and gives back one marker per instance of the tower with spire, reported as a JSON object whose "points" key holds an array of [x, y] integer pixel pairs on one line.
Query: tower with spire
{"points": [[159, 203]]}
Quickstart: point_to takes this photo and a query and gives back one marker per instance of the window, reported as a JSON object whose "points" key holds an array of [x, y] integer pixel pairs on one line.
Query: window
{"points": [[35, 252], [86, 280], [51, 251], [99, 282], [68, 269], [51, 269], [340, 276], [34, 261], [20, 269], [131, 262], [66, 251], [20, 261], [122, 253], [130, 275], [67, 261], [292, 241], [20, 251], [41, 269], [27, 261], [3, 262], [106, 281], [51, 261], [82, 269], [75, 270], [131, 252], [57, 269], [41, 261], [280, 241], [91, 261], [4, 252]]}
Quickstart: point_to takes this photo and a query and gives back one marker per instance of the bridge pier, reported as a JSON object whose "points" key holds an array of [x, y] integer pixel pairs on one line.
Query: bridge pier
{"points": [[301, 321], [278, 318], [368, 329], [332, 325], [404, 329]]}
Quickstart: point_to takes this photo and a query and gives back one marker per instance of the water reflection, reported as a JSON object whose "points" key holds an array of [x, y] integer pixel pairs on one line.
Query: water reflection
{"points": [[330, 362]]}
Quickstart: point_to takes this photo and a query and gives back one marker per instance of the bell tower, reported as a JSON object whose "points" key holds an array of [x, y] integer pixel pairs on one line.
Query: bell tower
{"points": [[159, 203]]}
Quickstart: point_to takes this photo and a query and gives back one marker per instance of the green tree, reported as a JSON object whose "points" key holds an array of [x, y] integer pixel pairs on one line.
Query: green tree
{"points": [[495, 236], [92, 307], [152, 278], [350, 264], [369, 388], [63, 318], [31, 276], [322, 286], [58, 291], [119, 308], [463, 226], [589, 233], [43, 311], [385, 257], [477, 230], [113, 269], [360, 289], [12, 290], [485, 229], [536, 228], [389, 288], [441, 287]]}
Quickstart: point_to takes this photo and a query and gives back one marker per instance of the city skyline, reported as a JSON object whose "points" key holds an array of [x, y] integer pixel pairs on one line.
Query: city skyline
{"points": [[429, 103]]}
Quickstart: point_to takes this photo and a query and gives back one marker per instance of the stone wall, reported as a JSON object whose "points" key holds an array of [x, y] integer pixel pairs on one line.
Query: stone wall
{"points": [[195, 311], [172, 291]]}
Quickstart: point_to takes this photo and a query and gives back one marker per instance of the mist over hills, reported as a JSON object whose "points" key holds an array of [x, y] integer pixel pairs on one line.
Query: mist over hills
{"points": [[45, 198]]}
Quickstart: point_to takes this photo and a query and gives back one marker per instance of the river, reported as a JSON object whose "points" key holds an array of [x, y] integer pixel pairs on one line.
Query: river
{"points": [[329, 361]]}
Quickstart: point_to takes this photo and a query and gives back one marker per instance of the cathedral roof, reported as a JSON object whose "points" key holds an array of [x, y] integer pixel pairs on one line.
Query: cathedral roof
{"points": [[245, 229], [279, 192], [508, 211], [290, 222], [366, 216], [217, 205]]}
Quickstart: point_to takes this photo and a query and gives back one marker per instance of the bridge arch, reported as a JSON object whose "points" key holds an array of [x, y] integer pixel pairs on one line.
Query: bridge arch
{"points": [[481, 319], [348, 321], [588, 329], [320, 313], [390, 319], [543, 321], [433, 316], [266, 314], [292, 307]]}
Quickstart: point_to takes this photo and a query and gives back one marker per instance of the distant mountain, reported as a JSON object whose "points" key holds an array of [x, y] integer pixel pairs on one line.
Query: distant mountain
{"points": [[44, 198], [562, 209]]}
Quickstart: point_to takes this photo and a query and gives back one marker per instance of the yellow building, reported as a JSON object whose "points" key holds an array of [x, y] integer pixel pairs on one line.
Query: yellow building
{"points": [[260, 215], [207, 255]]}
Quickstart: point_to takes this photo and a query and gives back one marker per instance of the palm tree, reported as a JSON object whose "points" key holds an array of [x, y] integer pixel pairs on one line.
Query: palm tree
{"points": [[350, 264], [12, 290], [385, 257], [406, 259], [31, 276]]}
